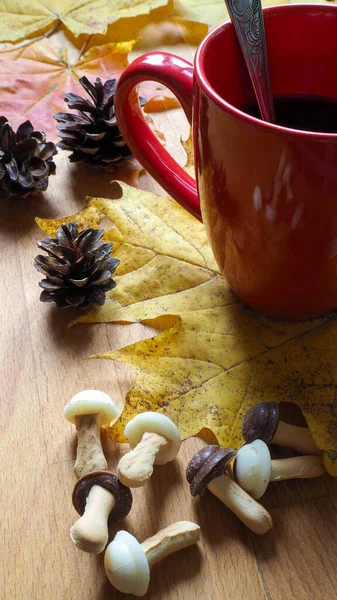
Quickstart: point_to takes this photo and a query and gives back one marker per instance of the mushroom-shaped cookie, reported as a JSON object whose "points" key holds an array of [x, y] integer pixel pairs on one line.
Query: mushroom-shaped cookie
{"points": [[102, 500], [253, 468], [155, 439], [127, 563], [88, 410], [262, 422], [207, 470]]}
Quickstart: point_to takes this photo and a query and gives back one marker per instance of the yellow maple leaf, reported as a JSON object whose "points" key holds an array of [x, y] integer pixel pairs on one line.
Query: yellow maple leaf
{"points": [[161, 26], [214, 12], [21, 19], [214, 358]]}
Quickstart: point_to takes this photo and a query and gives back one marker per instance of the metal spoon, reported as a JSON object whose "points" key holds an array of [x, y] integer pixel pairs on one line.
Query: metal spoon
{"points": [[247, 18]]}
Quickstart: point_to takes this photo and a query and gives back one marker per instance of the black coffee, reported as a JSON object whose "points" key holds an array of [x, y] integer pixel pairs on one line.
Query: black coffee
{"points": [[309, 113]]}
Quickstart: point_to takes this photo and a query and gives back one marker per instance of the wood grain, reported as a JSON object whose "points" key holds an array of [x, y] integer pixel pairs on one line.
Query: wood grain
{"points": [[42, 365]]}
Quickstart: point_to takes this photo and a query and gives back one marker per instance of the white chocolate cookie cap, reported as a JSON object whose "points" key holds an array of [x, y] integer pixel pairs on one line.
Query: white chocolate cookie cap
{"points": [[126, 565], [91, 402], [252, 468], [154, 422]]}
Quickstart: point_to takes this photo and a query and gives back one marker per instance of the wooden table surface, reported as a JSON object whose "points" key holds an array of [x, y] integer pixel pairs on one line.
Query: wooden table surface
{"points": [[42, 365]]}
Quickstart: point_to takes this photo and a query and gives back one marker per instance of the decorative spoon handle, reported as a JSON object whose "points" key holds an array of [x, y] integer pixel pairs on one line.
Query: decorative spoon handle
{"points": [[247, 18]]}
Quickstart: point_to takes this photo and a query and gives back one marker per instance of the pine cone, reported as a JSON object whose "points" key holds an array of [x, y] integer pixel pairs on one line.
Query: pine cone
{"points": [[93, 135], [26, 160], [78, 269]]}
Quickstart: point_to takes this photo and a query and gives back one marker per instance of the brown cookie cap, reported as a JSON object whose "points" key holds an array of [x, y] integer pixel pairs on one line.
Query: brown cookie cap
{"points": [[109, 481], [207, 464], [261, 422]]}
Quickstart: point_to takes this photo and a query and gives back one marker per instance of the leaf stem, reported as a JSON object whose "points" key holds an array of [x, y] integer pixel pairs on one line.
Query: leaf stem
{"points": [[84, 47]]}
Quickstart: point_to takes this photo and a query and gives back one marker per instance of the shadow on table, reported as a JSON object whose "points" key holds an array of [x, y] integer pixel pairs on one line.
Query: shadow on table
{"points": [[18, 214], [93, 182], [163, 483], [76, 338]]}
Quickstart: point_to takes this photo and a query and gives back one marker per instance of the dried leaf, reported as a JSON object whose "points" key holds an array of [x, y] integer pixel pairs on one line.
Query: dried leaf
{"points": [[171, 31], [21, 19], [214, 357], [165, 100], [212, 12], [87, 217], [188, 147], [34, 79], [162, 26]]}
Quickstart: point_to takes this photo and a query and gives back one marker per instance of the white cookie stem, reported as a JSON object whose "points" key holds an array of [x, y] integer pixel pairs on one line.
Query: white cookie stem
{"points": [[298, 438], [90, 532], [173, 538], [136, 467], [297, 467], [250, 512], [89, 454]]}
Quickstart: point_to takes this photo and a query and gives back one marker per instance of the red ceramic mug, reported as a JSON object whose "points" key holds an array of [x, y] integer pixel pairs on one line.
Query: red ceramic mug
{"points": [[266, 194]]}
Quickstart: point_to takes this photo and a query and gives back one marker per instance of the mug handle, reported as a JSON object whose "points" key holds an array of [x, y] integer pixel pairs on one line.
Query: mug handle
{"points": [[177, 75]]}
